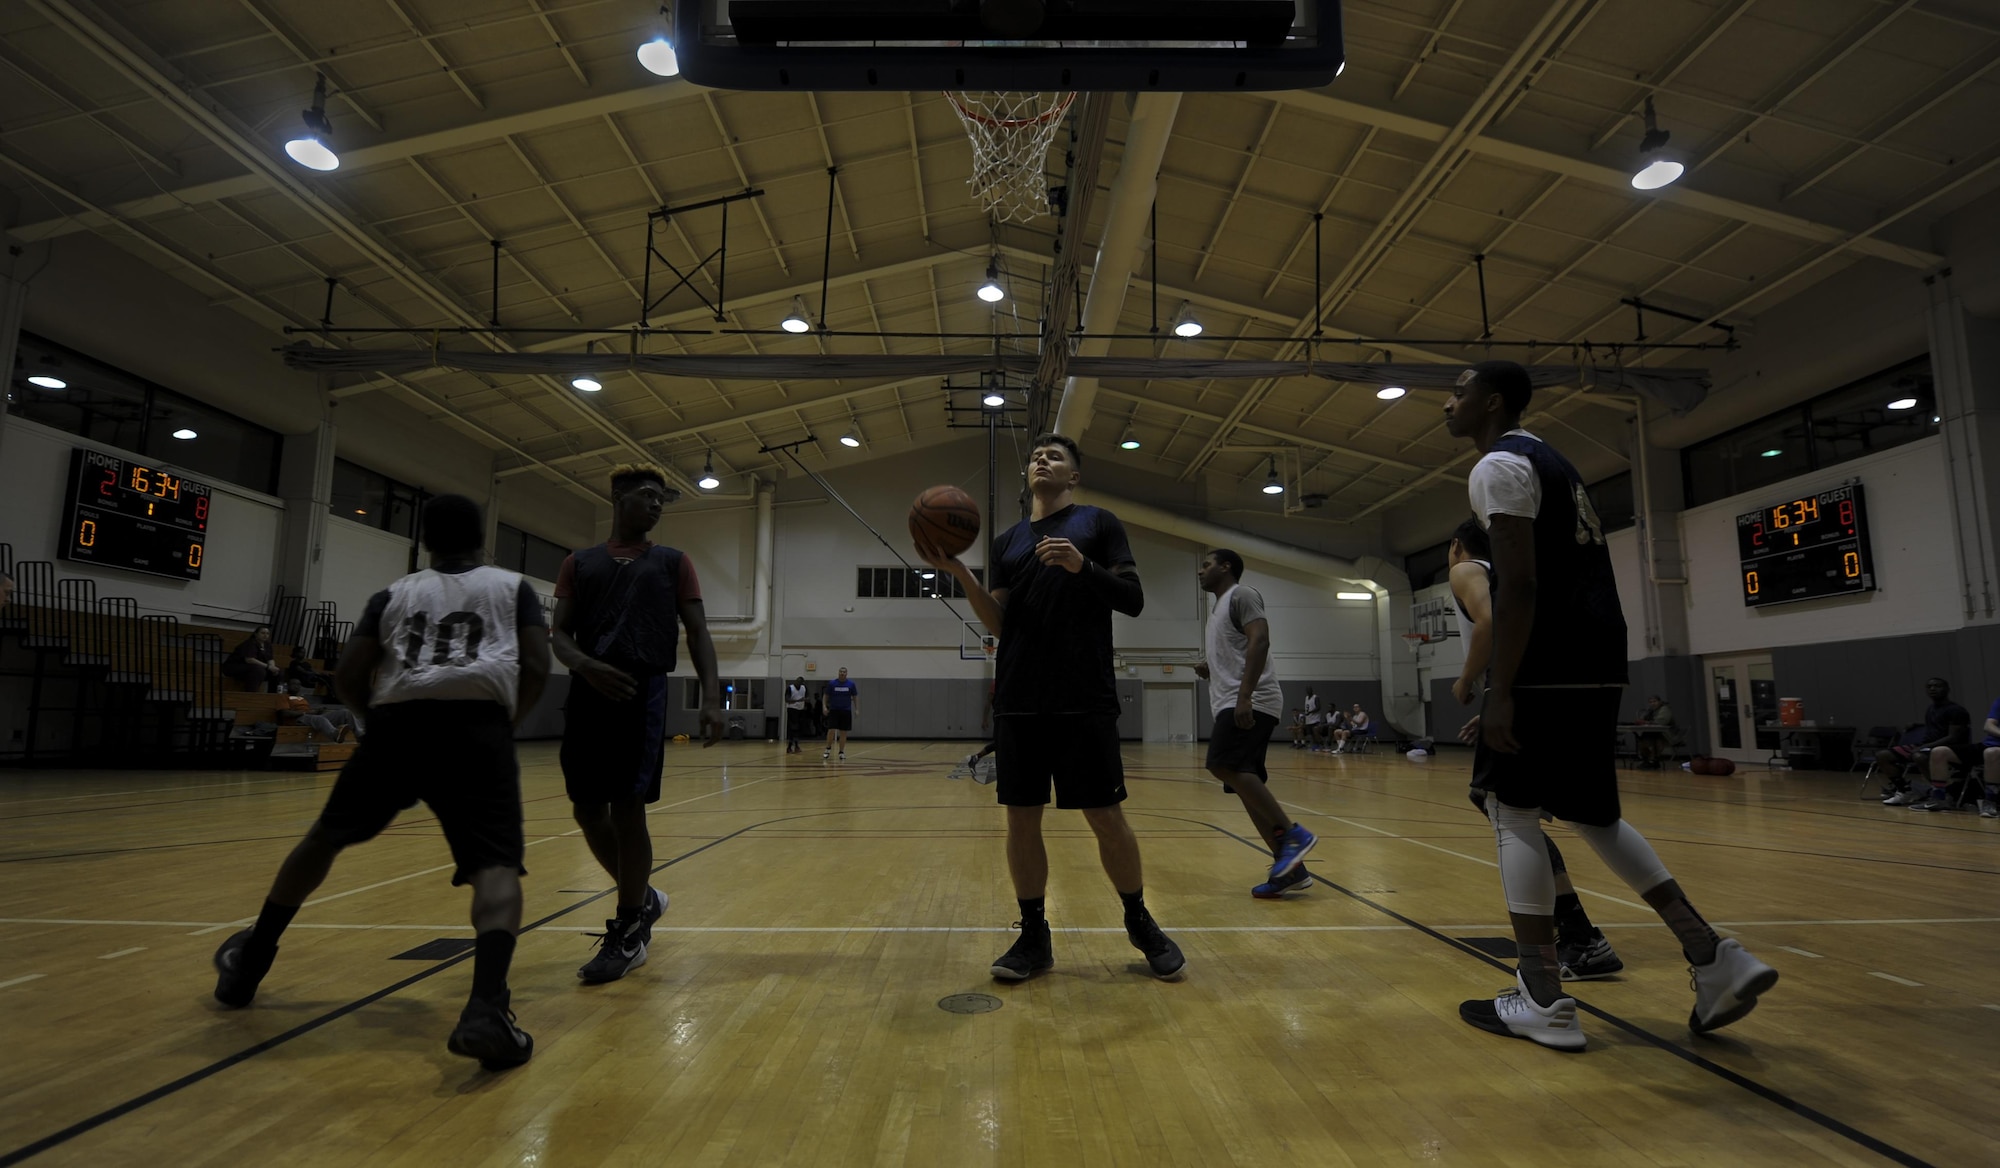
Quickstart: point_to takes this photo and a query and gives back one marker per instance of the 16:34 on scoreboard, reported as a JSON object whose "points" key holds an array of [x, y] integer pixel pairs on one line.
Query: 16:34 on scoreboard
{"points": [[1806, 548], [129, 515]]}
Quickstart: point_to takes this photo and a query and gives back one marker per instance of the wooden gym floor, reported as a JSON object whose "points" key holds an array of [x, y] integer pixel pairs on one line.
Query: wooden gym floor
{"points": [[789, 1013]]}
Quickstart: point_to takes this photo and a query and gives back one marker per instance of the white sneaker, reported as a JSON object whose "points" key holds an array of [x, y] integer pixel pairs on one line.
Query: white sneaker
{"points": [[825, 754], [1902, 798], [1513, 1013], [1988, 809], [843, 756], [1727, 988]]}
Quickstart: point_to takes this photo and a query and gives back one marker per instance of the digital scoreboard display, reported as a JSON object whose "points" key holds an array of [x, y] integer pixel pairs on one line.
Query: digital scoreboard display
{"points": [[1806, 548], [126, 515]]}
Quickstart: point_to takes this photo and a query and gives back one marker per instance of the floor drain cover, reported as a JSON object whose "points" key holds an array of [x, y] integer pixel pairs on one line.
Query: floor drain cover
{"points": [[969, 1004]]}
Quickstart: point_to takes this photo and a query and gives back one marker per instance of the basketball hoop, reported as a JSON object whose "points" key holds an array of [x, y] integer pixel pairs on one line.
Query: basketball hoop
{"points": [[1416, 639], [1011, 134]]}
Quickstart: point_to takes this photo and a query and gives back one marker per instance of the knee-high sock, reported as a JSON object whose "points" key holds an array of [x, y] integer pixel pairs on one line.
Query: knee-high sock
{"points": [[1626, 853], [1525, 876]]}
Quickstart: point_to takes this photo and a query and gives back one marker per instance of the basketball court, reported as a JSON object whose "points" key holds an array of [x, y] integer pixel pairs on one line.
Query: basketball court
{"points": [[278, 273]]}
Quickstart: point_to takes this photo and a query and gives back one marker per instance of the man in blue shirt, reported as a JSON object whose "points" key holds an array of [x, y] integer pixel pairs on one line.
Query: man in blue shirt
{"points": [[842, 703]]}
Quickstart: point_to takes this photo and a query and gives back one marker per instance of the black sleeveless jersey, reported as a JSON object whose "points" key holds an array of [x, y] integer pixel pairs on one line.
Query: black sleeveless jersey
{"points": [[628, 612], [1579, 630]]}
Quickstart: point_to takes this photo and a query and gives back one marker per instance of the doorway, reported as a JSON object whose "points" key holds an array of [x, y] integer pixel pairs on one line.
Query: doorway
{"points": [[1742, 707], [1169, 713]]}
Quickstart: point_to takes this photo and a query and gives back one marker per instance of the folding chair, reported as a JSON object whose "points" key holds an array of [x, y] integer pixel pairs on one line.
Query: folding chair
{"points": [[1867, 746]]}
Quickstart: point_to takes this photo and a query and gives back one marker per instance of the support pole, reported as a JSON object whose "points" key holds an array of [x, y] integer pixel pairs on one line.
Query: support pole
{"points": [[326, 314], [1485, 323], [1153, 261], [1319, 311], [494, 320], [826, 250]]}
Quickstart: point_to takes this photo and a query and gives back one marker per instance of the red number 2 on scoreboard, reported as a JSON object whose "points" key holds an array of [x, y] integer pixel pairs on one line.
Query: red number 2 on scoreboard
{"points": [[109, 481]]}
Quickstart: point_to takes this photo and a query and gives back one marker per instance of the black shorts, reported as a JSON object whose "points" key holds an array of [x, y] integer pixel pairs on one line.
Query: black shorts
{"points": [[613, 750], [797, 725], [1240, 751], [840, 719], [457, 758], [1564, 766], [1077, 752]]}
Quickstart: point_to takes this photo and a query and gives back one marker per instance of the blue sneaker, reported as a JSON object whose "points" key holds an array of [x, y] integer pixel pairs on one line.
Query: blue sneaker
{"points": [[1297, 881], [1297, 842]]}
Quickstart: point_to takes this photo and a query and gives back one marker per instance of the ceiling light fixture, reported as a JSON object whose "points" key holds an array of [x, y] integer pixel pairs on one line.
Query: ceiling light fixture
{"points": [[310, 149], [993, 400], [797, 320], [1185, 325], [658, 55], [852, 438], [1390, 392], [47, 382], [1129, 440], [584, 382], [1354, 596], [1271, 484], [184, 434], [1903, 403], [1656, 167], [708, 481], [993, 291], [1772, 453]]}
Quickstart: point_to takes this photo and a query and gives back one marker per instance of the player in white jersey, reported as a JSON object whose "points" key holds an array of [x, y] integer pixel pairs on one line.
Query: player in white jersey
{"points": [[441, 665], [1243, 691]]}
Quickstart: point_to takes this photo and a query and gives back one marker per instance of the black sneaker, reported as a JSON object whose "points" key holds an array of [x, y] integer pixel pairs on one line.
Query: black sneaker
{"points": [[1162, 955], [486, 1032], [1031, 953], [621, 948], [238, 969], [1589, 958]]}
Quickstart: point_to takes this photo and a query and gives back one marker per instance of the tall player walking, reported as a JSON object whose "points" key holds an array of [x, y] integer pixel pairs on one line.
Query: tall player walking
{"points": [[441, 663], [1057, 577], [1558, 664]]}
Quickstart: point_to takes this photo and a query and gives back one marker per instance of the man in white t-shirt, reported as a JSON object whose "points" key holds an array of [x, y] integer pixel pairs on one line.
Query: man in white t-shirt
{"points": [[1315, 721], [795, 714], [1243, 691]]}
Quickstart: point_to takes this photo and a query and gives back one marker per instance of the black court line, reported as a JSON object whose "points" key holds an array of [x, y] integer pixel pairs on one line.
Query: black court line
{"points": [[91, 1123], [1769, 1094]]}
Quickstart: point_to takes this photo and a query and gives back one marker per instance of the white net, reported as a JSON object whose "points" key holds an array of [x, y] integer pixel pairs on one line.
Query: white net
{"points": [[1011, 134]]}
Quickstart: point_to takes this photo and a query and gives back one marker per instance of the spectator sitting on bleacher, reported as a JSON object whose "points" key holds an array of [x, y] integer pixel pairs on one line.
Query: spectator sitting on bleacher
{"points": [[1653, 742], [330, 722], [1946, 725], [251, 665], [302, 672]]}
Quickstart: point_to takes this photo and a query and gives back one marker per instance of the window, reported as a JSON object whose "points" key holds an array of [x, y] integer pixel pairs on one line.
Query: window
{"points": [[119, 409], [1613, 500], [899, 583], [738, 693], [375, 499], [1427, 567], [1878, 412], [531, 555]]}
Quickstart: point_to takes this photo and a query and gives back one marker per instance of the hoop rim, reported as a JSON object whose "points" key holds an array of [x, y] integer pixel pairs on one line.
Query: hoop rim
{"points": [[1041, 119]]}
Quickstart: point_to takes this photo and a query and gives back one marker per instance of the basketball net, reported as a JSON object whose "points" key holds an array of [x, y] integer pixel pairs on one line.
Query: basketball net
{"points": [[1011, 134]]}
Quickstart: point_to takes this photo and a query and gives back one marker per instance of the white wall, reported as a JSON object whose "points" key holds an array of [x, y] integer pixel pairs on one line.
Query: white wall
{"points": [[360, 561], [1910, 536], [240, 552]]}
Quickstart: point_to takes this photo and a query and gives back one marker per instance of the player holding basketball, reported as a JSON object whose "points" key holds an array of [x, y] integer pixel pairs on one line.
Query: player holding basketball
{"points": [[1581, 949], [1056, 578], [1558, 664], [620, 607], [1243, 691], [442, 664]]}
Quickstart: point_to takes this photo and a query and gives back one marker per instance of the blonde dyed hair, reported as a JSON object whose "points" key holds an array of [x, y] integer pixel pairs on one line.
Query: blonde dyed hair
{"points": [[627, 474]]}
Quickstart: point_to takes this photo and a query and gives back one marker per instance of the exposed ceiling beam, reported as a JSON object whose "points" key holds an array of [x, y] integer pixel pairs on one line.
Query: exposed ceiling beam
{"points": [[359, 158], [1610, 177]]}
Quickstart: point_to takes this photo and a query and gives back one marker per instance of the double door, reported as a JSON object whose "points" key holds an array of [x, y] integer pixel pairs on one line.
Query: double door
{"points": [[1742, 706]]}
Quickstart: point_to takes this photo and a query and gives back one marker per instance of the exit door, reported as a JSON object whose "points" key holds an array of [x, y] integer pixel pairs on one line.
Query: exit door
{"points": [[1743, 707]]}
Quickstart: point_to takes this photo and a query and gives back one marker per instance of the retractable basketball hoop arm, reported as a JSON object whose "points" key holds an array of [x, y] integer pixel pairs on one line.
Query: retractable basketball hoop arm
{"points": [[647, 301]]}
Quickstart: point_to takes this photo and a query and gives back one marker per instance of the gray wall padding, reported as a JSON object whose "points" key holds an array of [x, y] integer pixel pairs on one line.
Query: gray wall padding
{"points": [[1880, 681]]}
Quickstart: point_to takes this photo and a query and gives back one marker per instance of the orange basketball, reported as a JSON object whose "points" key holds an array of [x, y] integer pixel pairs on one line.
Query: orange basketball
{"points": [[946, 517]]}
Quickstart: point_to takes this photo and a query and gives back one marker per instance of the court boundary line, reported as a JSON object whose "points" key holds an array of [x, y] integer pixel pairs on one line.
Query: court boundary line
{"points": [[117, 1111], [1735, 1078]]}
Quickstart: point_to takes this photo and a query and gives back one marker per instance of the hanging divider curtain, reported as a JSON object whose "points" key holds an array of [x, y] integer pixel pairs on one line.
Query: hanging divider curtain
{"points": [[1680, 390]]}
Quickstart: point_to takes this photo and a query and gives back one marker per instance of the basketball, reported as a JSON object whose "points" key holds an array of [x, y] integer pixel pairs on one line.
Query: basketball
{"points": [[947, 518]]}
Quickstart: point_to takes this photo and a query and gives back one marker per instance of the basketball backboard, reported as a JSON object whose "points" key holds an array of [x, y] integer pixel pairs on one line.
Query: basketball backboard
{"points": [[1016, 45]]}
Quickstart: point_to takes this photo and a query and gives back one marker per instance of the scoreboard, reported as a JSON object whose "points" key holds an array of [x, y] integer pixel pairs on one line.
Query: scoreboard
{"points": [[127, 515], [1806, 548]]}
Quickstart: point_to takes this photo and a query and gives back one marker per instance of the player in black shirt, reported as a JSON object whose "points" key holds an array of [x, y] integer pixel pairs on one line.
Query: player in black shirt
{"points": [[1055, 581], [1946, 724], [1557, 667]]}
